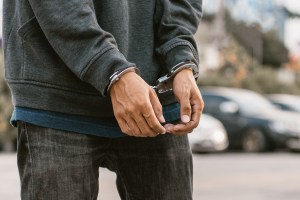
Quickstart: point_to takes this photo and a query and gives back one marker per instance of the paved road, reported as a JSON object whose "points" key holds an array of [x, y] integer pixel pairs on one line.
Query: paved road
{"points": [[228, 176]]}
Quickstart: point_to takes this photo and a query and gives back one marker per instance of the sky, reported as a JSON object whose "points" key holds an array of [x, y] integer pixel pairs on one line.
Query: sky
{"points": [[292, 29]]}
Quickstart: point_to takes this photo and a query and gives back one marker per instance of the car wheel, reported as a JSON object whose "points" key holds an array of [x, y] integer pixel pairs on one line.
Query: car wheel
{"points": [[254, 140]]}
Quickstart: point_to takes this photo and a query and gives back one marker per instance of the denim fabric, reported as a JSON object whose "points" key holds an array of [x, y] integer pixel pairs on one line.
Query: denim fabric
{"points": [[60, 165]]}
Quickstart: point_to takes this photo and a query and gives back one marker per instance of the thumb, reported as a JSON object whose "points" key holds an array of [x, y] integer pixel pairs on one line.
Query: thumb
{"points": [[157, 107], [185, 109]]}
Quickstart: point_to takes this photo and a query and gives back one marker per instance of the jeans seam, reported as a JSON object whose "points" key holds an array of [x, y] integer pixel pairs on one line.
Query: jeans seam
{"points": [[31, 161], [122, 179], [117, 171]]}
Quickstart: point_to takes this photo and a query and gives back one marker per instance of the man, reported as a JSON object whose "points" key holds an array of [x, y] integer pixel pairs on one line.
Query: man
{"points": [[81, 74]]}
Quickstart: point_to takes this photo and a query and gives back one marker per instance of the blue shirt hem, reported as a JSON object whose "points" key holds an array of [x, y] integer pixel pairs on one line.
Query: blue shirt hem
{"points": [[104, 127]]}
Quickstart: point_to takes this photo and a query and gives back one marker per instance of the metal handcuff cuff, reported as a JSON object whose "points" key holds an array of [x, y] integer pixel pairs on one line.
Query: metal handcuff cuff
{"points": [[117, 75], [164, 83]]}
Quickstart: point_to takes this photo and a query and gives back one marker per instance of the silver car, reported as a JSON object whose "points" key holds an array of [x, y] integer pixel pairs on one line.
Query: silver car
{"points": [[209, 136]]}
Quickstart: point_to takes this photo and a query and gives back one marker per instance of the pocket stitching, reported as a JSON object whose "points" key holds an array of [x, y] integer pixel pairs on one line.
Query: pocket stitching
{"points": [[28, 27]]}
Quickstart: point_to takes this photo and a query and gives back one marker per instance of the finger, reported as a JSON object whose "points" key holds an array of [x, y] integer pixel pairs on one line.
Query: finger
{"points": [[152, 121], [144, 127], [169, 128], [185, 106], [135, 131], [181, 129], [124, 126], [184, 128], [157, 107], [197, 107]]}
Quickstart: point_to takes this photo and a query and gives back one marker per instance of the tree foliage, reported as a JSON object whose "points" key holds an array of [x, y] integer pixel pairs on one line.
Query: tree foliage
{"points": [[274, 51], [266, 48]]}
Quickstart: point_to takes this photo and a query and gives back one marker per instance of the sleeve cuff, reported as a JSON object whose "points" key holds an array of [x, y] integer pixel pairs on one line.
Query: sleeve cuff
{"points": [[99, 72], [177, 53]]}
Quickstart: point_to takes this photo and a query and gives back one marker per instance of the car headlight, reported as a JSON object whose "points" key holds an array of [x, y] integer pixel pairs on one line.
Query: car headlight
{"points": [[285, 127], [278, 127], [218, 136]]}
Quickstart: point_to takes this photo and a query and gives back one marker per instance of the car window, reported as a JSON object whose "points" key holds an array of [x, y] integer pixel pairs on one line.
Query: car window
{"points": [[212, 103], [281, 106], [291, 104], [252, 103]]}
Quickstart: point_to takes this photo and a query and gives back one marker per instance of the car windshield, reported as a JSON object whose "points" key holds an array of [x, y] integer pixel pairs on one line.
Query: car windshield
{"points": [[251, 103], [294, 103]]}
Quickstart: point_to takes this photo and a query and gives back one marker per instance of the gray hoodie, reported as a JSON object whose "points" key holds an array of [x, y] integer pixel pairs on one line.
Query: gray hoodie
{"points": [[59, 55]]}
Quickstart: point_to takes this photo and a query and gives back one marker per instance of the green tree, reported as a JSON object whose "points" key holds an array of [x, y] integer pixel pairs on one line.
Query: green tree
{"points": [[274, 51], [266, 48]]}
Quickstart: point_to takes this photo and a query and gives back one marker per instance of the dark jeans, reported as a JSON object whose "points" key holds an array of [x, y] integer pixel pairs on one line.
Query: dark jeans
{"points": [[59, 165]]}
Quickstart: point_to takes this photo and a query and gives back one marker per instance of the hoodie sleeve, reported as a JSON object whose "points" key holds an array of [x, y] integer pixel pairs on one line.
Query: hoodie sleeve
{"points": [[71, 28], [176, 22]]}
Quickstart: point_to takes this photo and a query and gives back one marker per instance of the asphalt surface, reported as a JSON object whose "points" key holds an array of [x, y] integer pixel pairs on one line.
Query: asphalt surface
{"points": [[226, 176]]}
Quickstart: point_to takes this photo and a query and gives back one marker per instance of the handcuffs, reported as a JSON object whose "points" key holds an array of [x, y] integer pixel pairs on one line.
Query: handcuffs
{"points": [[117, 75], [164, 83]]}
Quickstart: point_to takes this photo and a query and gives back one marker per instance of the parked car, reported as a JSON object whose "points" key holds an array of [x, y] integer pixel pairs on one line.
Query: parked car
{"points": [[285, 101], [251, 121], [209, 136]]}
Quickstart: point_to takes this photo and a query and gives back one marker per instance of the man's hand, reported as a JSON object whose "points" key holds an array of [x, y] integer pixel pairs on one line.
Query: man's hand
{"points": [[191, 103], [136, 107]]}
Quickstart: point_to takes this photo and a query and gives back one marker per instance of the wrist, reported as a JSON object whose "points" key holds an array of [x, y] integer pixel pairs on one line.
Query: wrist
{"points": [[185, 74], [183, 66], [165, 83], [115, 77]]}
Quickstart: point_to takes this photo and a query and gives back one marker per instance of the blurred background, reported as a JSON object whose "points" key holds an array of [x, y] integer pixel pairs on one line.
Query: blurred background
{"points": [[247, 144], [251, 44]]}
